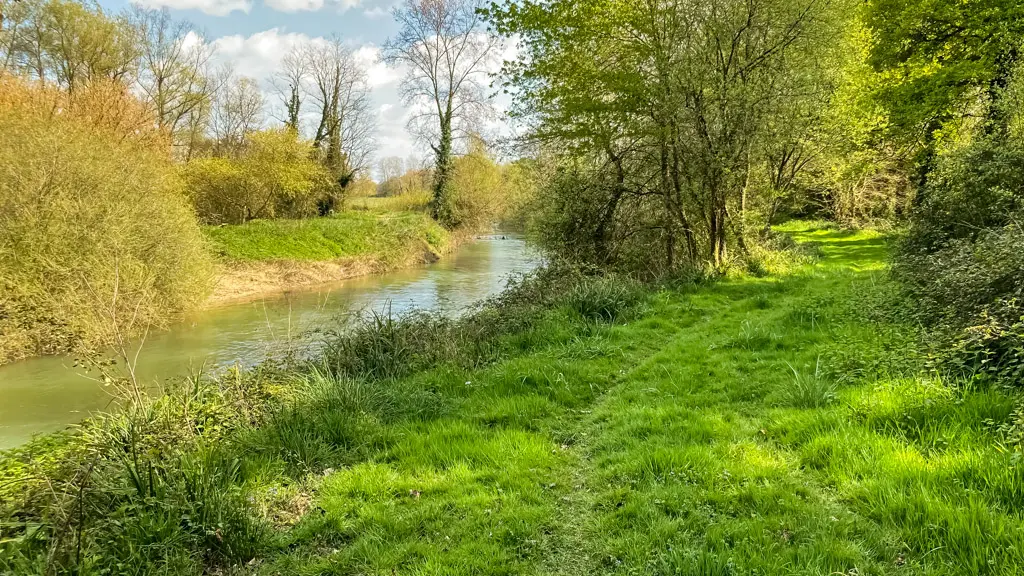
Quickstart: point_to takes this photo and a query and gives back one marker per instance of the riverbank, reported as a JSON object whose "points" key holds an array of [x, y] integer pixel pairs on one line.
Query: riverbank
{"points": [[256, 259], [272, 256], [771, 425]]}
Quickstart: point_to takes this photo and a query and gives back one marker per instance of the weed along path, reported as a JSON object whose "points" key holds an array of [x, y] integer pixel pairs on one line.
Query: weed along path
{"points": [[753, 426], [44, 394]]}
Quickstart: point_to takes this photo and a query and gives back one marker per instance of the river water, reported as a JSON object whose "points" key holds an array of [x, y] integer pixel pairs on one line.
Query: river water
{"points": [[44, 394]]}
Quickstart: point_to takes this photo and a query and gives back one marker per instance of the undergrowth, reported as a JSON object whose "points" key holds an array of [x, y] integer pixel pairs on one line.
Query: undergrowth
{"points": [[574, 425]]}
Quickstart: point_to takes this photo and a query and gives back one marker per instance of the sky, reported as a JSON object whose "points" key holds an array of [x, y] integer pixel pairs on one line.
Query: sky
{"points": [[254, 35]]}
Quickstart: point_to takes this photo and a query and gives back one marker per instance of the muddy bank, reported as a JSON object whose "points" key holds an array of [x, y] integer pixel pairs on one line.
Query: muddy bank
{"points": [[240, 281]]}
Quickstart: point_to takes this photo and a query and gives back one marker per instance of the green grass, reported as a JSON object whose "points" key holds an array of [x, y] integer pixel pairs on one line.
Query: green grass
{"points": [[771, 426], [351, 234], [410, 202], [707, 435]]}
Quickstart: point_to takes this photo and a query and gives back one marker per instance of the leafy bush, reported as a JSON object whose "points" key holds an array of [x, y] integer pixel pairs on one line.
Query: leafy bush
{"points": [[962, 260], [273, 176], [579, 214], [95, 234], [477, 198]]}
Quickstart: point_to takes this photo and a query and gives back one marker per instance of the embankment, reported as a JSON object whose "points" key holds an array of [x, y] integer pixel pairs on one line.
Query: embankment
{"points": [[271, 256]]}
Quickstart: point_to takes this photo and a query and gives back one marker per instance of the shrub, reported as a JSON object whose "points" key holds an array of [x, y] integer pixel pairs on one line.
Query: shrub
{"points": [[962, 260], [273, 176], [95, 234], [477, 199]]}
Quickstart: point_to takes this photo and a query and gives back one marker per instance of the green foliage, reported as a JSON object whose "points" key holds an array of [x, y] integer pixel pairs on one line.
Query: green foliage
{"points": [[937, 55], [662, 138], [150, 488], [477, 196], [963, 256], [96, 237], [273, 176], [659, 430]]}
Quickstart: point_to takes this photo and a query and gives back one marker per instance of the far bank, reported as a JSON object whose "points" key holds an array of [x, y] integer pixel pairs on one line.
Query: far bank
{"points": [[266, 257]]}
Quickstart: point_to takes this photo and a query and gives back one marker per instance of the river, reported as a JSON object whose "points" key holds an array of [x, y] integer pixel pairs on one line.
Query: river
{"points": [[45, 394]]}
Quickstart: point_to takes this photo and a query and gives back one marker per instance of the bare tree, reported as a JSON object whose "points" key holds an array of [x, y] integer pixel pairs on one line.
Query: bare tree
{"points": [[339, 90], [447, 53], [174, 75], [390, 167], [289, 84], [238, 112]]}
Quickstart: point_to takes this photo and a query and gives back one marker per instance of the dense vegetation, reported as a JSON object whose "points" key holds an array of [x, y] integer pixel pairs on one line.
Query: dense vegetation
{"points": [[95, 234], [575, 425], [780, 329], [120, 138]]}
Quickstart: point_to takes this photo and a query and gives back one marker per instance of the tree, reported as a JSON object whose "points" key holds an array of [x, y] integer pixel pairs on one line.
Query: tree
{"points": [[661, 109], [940, 62], [173, 71], [390, 167], [237, 113], [288, 84], [338, 88], [446, 52], [73, 43]]}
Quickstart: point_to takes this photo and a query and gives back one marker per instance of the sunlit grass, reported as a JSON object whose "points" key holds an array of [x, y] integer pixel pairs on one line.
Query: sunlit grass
{"points": [[706, 436], [766, 426], [350, 234]]}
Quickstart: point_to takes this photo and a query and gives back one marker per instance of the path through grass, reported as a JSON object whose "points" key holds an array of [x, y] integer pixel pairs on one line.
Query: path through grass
{"points": [[754, 426]]}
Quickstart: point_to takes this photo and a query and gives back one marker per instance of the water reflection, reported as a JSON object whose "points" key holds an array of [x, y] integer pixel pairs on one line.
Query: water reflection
{"points": [[45, 394]]}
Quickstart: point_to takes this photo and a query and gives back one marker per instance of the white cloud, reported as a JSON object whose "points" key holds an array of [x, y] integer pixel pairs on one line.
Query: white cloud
{"points": [[377, 72], [295, 5], [259, 55], [376, 12], [211, 7], [309, 5]]}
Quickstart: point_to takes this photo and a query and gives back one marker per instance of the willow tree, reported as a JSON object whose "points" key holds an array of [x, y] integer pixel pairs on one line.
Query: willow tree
{"points": [[446, 52]]}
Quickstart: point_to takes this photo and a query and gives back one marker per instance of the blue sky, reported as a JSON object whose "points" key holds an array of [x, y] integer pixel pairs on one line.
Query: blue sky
{"points": [[253, 36]]}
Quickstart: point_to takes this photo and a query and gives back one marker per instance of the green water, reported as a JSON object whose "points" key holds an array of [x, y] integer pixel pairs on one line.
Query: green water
{"points": [[45, 394]]}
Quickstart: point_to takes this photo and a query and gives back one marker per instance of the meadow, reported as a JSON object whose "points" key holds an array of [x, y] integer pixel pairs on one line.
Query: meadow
{"points": [[781, 424]]}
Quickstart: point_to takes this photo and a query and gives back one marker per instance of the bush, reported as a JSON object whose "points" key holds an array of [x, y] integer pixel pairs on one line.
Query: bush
{"points": [[962, 260], [95, 233], [274, 176], [477, 198]]}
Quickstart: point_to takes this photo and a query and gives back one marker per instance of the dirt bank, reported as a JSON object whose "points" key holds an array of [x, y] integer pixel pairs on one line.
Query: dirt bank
{"points": [[238, 281]]}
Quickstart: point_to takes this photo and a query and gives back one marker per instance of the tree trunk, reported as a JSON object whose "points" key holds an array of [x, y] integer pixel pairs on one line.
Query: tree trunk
{"points": [[441, 204]]}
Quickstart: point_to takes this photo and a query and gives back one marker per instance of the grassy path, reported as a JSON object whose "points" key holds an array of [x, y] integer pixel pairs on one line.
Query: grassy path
{"points": [[755, 426]]}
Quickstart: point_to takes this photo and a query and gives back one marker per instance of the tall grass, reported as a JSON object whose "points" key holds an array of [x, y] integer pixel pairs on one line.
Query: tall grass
{"points": [[166, 484], [409, 202]]}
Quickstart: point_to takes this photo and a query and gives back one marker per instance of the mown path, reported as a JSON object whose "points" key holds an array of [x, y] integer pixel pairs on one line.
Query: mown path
{"points": [[753, 426]]}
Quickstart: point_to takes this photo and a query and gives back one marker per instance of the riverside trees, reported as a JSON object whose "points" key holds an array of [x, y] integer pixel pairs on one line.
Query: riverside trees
{"points": [[658, 110], [446, 53]]}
